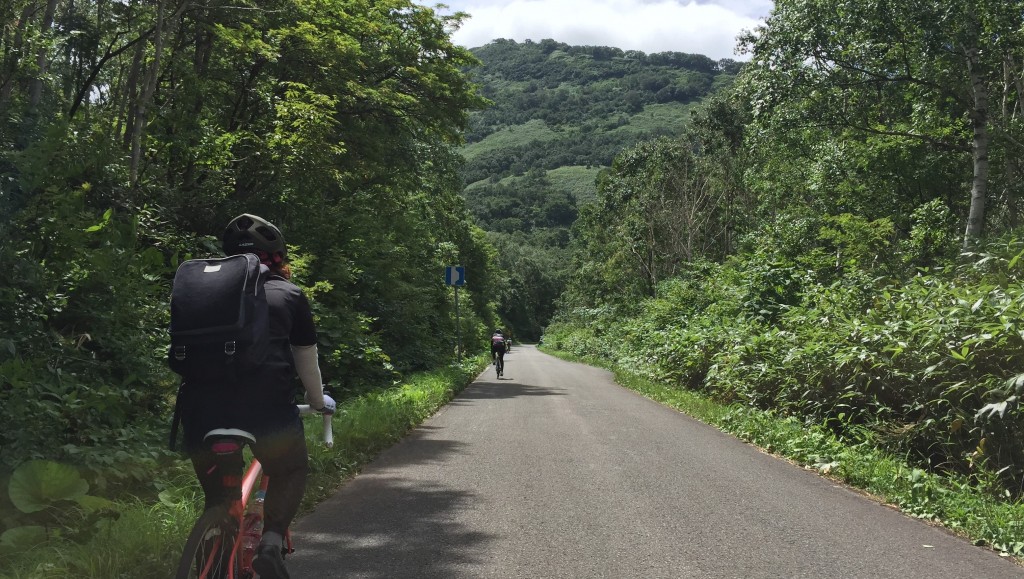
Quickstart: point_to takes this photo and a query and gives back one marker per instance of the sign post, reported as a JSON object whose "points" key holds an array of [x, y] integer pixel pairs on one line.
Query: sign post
{"points": [[455, 276]]}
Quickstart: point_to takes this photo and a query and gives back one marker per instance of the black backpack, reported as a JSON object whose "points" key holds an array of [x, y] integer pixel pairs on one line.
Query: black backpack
{"points": [[220, 323]]}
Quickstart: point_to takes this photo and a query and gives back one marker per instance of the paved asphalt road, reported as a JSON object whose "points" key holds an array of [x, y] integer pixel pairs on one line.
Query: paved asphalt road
{"points": [[555, 471]]}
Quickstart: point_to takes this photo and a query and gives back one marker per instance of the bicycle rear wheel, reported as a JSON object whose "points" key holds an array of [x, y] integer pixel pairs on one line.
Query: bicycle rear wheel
{"points": [[207, 553]]}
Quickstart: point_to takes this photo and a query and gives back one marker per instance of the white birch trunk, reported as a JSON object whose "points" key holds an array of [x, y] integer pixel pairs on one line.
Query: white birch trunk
{"points": [[979, 148], [35, 91], [149, 87]]}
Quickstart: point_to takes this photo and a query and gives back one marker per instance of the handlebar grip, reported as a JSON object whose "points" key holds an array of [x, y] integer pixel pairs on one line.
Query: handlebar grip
{"points": [[305, 409], [328, 431]]}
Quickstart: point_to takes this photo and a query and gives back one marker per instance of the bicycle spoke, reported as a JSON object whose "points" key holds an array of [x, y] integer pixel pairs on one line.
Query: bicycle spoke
{"points": [[208, 551]]}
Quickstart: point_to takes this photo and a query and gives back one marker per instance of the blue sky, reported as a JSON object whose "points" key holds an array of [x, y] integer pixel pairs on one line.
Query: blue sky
{"points": [[706, 27]]}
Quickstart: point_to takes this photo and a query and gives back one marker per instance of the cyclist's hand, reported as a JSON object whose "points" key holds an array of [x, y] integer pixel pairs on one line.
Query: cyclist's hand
{"points": [[330, 406]]}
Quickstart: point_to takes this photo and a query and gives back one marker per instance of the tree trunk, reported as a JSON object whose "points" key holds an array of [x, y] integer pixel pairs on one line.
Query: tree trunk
{"points": [[979, 147], [148, 88], [127, 115], [94, 71], [1013, 85], [12, 52], [35, 93]]}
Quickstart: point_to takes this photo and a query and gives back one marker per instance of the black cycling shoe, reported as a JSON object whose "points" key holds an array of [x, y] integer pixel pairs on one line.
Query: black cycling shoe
{"points": [[269, 563]]}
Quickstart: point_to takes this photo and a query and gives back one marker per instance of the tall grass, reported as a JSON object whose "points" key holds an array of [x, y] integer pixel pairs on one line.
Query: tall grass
{"points": [[580, 182], [576, 181], [657, 118], [534, 130], [145, 538]]}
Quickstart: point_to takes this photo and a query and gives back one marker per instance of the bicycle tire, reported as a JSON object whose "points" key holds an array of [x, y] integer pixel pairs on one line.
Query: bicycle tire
{"points": [[499, 367], [208, 549]]}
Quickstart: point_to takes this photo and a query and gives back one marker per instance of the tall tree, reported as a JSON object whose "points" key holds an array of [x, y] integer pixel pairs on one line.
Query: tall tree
{"points": [[149, 124], [912, 72], [660, 206]]}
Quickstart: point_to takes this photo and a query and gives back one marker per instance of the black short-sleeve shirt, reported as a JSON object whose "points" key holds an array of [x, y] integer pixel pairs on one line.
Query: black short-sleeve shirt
{"points": [[263, 403], [291, 324], [290, 314]]}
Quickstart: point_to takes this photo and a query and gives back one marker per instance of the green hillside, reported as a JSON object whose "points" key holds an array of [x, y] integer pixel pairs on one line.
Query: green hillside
{"points": [[576, 181], [556, 105], [559, 114]]}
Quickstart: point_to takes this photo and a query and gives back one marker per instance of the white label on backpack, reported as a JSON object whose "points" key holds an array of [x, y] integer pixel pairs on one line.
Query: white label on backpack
{"points": [[211, 268]]}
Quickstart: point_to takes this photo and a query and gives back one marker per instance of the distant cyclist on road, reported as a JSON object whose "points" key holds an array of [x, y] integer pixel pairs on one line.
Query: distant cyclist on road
{"points": [[498, 347]]}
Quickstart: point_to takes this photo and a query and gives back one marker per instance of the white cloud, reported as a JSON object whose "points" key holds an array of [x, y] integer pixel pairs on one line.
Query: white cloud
{"points": [[708, 27]]}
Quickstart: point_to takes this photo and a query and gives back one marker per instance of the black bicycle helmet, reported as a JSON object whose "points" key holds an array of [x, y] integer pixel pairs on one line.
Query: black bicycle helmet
{"points": [[251, 234]]}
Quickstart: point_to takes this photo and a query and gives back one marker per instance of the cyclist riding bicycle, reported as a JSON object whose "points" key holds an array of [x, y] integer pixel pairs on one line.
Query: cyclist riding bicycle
{"points": [[497, 346], [263, 404]]}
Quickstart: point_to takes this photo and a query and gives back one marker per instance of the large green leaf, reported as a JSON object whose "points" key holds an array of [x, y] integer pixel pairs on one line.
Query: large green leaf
{"points": [[37, 484], [93, 504], [20, 538]]}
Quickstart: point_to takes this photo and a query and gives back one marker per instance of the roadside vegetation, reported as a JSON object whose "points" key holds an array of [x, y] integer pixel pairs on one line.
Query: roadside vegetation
{"points": [[828, 234], [130, 134], [834, 253], [71, 534]]}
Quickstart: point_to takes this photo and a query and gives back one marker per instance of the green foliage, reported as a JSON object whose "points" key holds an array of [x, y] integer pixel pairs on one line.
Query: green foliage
{"points": [[570, 85], [829, 317], [878, 108], [86, 310], [524, 205], [149, 534], [559, 116], [526, 296], [35, 485], [660, 206], [813, 277], [144, 130], [928, 364], [933, 237], [53, 505]]}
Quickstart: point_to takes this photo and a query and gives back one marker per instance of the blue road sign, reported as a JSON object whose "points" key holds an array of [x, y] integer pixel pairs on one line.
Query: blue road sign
{"points": [[455, 275]]}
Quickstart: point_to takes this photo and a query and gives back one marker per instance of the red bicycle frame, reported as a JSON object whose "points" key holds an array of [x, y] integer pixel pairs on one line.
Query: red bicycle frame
{"points": [[238, 507]]}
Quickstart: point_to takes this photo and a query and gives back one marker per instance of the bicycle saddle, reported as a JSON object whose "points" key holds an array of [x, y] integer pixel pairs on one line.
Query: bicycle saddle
{"points": [[228, 440]]}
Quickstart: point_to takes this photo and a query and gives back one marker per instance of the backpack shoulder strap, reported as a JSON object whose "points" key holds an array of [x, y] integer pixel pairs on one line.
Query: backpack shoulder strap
{"points": [[176, 420]]}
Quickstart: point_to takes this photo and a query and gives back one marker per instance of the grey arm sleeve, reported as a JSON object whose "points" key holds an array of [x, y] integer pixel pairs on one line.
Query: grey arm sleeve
{"points": [[307, 366]]}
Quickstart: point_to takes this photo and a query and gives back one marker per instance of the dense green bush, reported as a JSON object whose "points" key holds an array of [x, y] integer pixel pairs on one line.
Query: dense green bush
{"points": [[84, 377], [931, 365], [145, 131]]}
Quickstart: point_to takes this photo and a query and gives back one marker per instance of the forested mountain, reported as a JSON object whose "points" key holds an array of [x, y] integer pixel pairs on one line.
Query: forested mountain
{"points": [[556, 107], [559, 115], [835, 239]]}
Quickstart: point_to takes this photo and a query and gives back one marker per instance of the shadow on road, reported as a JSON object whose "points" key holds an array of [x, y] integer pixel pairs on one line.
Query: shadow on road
{"points": [[506, 388], [416, 448], [388, 527]]}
